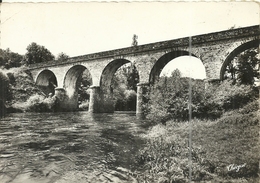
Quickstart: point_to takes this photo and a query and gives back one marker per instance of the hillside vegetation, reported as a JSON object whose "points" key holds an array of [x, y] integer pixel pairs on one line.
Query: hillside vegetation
{"points": [[23, 95], [225, 132]]}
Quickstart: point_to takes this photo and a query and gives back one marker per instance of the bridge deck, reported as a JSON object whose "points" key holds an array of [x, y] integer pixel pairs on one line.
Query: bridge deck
{"points": [[175, 43]]}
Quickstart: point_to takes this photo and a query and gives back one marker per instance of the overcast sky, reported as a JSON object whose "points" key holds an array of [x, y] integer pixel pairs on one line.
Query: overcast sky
{"points": [[82, 28]]}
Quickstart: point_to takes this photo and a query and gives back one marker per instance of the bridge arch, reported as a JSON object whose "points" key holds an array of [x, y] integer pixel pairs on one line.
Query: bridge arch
{"points": [[47, 81], [108, 73], [71, 84], [72, 79], [163, 61], [106, 83], [235, 52]]}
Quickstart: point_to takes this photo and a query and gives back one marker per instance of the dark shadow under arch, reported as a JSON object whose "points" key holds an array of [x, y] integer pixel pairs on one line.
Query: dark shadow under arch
{"points": [[47, 81], [235, 52], [162, 61]]}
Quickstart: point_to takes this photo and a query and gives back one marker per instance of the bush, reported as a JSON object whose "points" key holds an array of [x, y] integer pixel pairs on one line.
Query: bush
{"points": [[84, 105], [169, 98], [226, 96], [4, 86], [125, 100], [21, 87], [4, 93], [165, 159], [37, 103]]}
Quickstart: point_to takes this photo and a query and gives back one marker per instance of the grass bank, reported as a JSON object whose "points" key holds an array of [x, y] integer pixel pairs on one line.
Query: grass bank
{"points": [[218, 148]]}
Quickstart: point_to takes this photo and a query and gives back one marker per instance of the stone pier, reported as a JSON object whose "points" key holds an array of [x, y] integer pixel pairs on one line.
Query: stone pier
{"points": [[142, 89]]}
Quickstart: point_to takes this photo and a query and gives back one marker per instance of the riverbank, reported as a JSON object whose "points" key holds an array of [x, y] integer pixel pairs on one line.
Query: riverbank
{"points": [[224, 150]]}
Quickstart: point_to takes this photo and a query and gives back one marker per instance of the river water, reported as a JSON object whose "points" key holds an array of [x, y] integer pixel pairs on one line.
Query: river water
{"points": [[69, 147]]}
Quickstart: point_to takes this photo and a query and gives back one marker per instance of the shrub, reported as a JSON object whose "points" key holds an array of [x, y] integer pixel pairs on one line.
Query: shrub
{"points": [[4, 86], [4, 93], [125, 100], [169, 98], [225, 97], [165, 159], [37, 103], [84, 105]]}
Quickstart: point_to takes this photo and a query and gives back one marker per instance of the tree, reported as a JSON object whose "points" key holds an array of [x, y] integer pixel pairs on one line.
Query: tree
{"points": [[9, 59], [124, 84], [248, 65], [62, 56], [244, 68], [169, 98], [135, 43], [4, 91], [131, 76], [37, 54]]}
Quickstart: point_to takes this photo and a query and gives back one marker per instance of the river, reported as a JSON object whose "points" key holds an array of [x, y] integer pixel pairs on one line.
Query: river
{"points": [[69, 147]]}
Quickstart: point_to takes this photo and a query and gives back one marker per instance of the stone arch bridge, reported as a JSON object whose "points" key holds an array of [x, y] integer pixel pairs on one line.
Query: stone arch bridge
{"points": [[215, 50]]}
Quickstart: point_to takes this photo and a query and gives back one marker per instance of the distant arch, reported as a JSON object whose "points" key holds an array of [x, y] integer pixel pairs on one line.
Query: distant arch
{"points": [[108, 73], [47, 81], [162, 61], [72, 79], [235, 52], [189, 66]]}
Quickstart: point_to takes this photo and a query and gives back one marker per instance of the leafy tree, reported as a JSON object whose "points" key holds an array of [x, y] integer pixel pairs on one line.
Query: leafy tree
{"points": [[4, 91], [227, 96], [62, 56], [135, 43], [244, 68], [84, 83], [128, 75], [247, 67], [169, 98], [124, 87], [37, 54], [9, 59]]}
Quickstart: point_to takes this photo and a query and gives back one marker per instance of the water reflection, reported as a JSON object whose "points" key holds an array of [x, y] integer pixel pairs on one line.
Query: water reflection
{"points": [[68, 147]]}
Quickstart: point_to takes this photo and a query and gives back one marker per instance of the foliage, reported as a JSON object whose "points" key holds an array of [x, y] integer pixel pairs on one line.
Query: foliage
{"points": [[37, 54], [169, 98], [62, 56], [83, 91], [226, 96], [125, 100], [165, 158], [9, 59], [128, 76], [4, 83], [4, 91], [21, 87], [244, 68], [232, 139], [124, 87], [135, 43], [83, 105], [37, 103]]}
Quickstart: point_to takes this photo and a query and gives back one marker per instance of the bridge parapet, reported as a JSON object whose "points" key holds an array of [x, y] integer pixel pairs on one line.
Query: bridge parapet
{"points": [[252, 31]]}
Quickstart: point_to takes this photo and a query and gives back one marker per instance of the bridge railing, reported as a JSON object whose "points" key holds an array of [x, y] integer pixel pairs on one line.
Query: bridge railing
{"points": [[175, 43]]}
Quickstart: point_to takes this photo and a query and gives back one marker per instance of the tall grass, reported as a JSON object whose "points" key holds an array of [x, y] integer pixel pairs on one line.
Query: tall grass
{"points": [[232, 139]]}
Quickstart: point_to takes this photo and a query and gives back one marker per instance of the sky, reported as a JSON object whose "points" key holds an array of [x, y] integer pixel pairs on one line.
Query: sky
{"points": [[83, 28]]}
